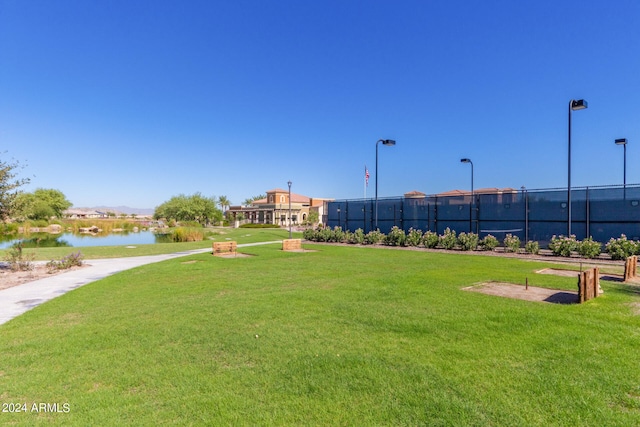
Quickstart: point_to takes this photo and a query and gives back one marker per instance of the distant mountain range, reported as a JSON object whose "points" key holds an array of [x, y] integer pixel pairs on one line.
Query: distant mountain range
{"points": [[121, 210]]}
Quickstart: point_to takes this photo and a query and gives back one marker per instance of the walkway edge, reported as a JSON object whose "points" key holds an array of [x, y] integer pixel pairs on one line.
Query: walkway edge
{"points": [[19, 299]]}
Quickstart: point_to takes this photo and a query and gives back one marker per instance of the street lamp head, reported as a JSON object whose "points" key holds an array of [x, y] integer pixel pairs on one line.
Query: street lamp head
{"points": [[621, 141], [387, 142], [465, 160], [289, 183], [579, 104]]}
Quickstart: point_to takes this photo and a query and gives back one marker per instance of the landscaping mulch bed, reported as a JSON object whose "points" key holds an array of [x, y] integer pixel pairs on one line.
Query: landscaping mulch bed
{"points": [[10, 278], [530, 293]]}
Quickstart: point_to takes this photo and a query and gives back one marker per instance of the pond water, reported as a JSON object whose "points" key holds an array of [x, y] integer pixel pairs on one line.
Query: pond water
{"points": [[45, 240]]}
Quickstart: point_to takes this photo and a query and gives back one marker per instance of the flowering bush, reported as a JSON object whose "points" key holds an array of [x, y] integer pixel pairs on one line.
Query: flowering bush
{"points": [[621, 248], [324, 234], [511, 243], [563, 246], [589, 248], [356, 238], [337, 235], [430, 239], [348, 236], [71, 260], [489, 243], [468, 242], [532, 247], [396, 237], [448, 239], [309, 234], [414, 237], [373, 237]]}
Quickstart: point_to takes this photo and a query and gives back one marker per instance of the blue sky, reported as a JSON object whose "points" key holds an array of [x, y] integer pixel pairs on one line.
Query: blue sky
{"points": [[133, 102]]}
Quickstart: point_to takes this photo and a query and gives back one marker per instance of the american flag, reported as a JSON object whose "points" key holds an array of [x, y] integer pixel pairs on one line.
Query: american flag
{"points": [[366, 175]]}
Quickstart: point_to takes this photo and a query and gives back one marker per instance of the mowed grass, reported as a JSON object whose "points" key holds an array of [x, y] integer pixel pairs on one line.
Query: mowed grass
{"points": [[340, 336]]}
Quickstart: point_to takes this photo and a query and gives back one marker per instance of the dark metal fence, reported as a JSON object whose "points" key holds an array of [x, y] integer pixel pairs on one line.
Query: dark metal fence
{"points": [[599, 212]]}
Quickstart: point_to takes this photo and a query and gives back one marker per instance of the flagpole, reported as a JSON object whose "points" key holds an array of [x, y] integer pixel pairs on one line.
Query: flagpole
{"points": [[365, 182]]}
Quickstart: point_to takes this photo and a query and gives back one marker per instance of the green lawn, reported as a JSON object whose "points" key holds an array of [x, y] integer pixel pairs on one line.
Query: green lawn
{"points": [[340, 336]]}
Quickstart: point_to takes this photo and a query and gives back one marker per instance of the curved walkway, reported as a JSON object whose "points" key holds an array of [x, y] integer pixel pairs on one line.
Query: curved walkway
{"points": [[18, 299]]}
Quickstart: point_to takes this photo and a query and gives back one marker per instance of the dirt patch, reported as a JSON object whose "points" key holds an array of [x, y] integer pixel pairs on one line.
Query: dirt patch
{"points": [[575, 273], [10, 278], [232, 255], [531, 293]]}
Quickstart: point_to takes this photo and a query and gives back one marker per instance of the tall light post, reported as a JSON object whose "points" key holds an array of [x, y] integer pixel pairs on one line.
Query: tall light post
{"points": [[574, 105], [388, 142], [623, 142], [289, 182], [465, 160]]}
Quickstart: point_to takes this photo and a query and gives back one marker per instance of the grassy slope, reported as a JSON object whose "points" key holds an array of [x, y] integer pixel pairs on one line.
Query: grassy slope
{"points": [[344, 335]]}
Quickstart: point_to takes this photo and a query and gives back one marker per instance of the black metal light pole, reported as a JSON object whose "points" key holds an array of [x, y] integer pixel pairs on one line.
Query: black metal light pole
{"points": [[289, 182], [579, 104], [389, 142], [623, 142], [465, 160]]}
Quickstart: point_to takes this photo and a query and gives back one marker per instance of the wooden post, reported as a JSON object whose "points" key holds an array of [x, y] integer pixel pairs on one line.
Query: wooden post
{"points": [[589, 284], [631, 268]]}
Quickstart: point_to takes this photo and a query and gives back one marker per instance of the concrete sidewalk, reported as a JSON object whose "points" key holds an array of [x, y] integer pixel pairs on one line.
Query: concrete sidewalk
{"points": [[18, 299]]}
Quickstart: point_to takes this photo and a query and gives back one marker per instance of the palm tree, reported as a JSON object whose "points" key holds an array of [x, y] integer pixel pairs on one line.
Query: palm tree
{"points": [[250, 200], [224, 202]]}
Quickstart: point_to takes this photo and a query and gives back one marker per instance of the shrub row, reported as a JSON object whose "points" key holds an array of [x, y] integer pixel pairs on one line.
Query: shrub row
{"points": [[564, 246], [619, 248], [257, 225], [622, 248], [397, 237]]}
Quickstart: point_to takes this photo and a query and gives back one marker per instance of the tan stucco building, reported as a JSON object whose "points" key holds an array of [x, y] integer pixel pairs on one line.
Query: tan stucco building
{"points": [[274, 209]]}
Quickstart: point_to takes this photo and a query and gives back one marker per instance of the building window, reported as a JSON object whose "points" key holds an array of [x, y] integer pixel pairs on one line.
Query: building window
{"points": [[271, 199], [281, 198]]}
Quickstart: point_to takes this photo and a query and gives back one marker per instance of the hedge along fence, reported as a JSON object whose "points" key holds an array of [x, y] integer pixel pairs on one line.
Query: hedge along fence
{"points": [[397, 237], [618, 249]]}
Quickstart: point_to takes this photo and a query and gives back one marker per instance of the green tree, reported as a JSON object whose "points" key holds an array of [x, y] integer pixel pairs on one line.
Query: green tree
{"points": [[9, 184], [55, 199], [44, 203], [313, 217], [189, 208]]}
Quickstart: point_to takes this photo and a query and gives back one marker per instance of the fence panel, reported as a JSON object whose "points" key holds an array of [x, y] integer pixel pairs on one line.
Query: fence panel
{"points": [[538, 215], [502, 214]]}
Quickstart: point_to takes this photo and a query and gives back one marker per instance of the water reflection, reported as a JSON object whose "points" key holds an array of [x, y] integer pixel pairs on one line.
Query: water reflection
{"points": [[43, 240], [46, 240]]}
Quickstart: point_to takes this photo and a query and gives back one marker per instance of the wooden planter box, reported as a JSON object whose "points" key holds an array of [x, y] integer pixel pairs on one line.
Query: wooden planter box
{"points": [[224, 248], [292, 245]]}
